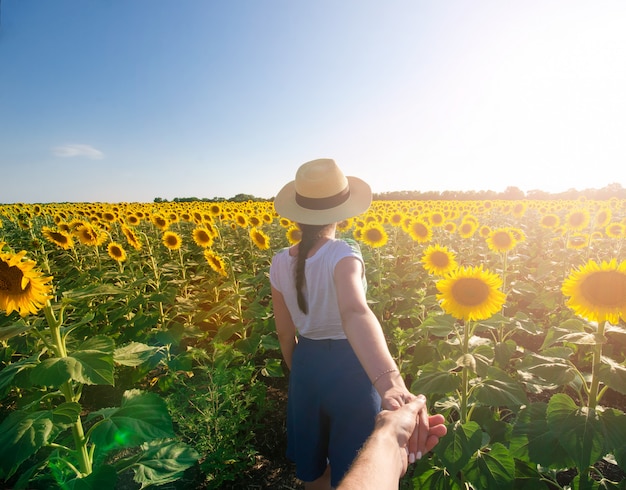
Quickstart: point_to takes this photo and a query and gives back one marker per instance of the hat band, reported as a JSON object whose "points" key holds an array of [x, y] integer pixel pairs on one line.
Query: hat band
{"points": [[321, 203]]}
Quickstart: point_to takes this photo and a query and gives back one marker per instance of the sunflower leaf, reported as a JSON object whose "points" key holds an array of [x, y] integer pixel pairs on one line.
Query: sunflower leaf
{"points": [[493, 468], [578, 429], [498, 389], [142, 417], [16, 328], [456, 448], [613, 374]]}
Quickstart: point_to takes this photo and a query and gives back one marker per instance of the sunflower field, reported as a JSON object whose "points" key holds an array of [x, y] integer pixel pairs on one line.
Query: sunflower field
{"points": [[137, 339]]}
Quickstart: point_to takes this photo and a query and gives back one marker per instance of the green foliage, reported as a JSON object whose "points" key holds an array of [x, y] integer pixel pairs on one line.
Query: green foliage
{"points": [[217, 412]]}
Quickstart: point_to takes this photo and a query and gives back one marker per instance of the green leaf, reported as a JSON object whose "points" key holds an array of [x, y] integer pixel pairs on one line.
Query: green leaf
{"points": [[614, 425], [22, 435], [436, 479], [439, 325], [163, 462], [15, 329], [7, 374], [133, 354], [66, 414], [104, 477], [499, 390], [78, 295], [612, 374], [457, 447], [439, 382], [555, 371], [531, 439], [493, 468], [88, 367], [142, 417], [273, 368], [578, 429], [555, 334]]}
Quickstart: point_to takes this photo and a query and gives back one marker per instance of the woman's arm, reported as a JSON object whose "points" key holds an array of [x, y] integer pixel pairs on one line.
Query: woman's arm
{"points": [[285, 329], [365, 334]]}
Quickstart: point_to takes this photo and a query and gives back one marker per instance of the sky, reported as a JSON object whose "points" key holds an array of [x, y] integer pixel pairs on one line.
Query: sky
{"points": [[125, 101]]}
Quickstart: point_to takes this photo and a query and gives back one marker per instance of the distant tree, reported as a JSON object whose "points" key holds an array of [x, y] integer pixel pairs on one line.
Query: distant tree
{"points": [[512, 193], [159, 199]]}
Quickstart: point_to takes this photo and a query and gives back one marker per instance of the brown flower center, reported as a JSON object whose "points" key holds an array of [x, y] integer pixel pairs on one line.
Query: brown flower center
{"points": [[11, 279], [470, 291], [605, 289]]}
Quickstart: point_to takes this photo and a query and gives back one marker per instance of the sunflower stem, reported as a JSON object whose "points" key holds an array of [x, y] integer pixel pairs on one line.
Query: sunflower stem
{"points": [[465, 373], [595, 368], [60, 348]]}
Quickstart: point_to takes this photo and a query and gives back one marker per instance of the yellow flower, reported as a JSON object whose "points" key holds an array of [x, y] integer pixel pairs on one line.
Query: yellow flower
{"points": [[550, 221], [89, 235], [160, 222], [22, 288], [419, 231], [131, 237], [597, 292], [501, 240], [116, 252], [577, 241], [615, 230], [60, 238], [374, 235], [467, 228], [577, 219], [172, 240], [438, 260], [260, 239], [471, 293], [215, 261], [294, 235], [203, 237]]}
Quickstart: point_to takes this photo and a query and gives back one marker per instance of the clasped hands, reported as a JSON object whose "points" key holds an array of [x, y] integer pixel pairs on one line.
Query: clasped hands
{"points": [[416, 432]]}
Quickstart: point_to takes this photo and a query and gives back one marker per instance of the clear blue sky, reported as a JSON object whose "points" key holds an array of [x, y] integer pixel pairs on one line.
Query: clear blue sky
{"points": [[119, 100]]}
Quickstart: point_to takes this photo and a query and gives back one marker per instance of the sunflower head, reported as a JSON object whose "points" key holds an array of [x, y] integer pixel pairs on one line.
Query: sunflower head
{"points": [[374, 235], [597, 292], [22, 288], [438, 260], [116, 252], [471, 293], [172, 240], [260, 239], [501, 240], [203, 237], [215, 262]]}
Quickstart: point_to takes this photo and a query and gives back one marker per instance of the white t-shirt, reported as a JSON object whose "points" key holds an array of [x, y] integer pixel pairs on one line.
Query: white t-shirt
{"points": [[323, 320]]}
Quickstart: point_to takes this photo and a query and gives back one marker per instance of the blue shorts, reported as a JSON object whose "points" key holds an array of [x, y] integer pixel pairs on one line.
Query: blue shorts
{"points": [[331, 410]]}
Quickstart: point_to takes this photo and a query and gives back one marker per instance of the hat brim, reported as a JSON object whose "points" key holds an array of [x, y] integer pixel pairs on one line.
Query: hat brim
{"points": [[358, 202]]}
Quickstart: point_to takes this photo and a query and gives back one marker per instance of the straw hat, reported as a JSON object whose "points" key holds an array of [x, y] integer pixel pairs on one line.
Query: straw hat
{"points": [[322, 194]]}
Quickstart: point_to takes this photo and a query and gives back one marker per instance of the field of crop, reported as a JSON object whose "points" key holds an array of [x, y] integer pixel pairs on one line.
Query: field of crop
{"points": [[137, 339]]}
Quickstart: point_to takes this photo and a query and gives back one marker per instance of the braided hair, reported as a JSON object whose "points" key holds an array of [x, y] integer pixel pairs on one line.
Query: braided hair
{"points": [[310, 235]]}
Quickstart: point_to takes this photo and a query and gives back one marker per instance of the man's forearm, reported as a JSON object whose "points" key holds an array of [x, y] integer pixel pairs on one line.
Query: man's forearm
{"points": [[378, 465]]}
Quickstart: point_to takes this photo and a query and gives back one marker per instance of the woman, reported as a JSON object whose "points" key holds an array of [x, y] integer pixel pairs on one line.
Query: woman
{"points": [[341, 370]]}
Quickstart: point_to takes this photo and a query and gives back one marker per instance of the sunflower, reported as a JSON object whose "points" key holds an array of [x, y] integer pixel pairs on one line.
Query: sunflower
{"points": [[131, 237], [577, 241], [215, 261], [501, 240], [90, 235], [160, 222], [172, 240], [345, 224], [22, 288], [615, 230], [438, 260], [116, 252], [60, 238], [597, 292], [294, 235], [467, 228], [285, 223], [260, 239], [202, 237], [374, 235], [419, 231], [577, 219], [471, 293], [241, 220]]}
